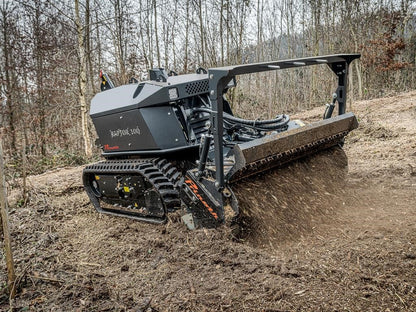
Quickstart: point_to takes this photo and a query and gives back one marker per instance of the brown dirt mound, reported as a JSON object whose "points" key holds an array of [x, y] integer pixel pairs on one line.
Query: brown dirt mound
{"points": [[288, 202]]}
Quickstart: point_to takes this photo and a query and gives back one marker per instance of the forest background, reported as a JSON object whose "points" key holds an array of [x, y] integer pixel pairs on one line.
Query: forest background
{"points": [[52, 51]]}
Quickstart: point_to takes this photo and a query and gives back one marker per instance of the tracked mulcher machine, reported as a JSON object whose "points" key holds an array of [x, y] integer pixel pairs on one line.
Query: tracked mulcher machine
{"points": [[172, 143]]}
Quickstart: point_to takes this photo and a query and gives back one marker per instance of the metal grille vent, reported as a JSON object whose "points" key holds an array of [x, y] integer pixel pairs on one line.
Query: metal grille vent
{"points": [[197, 87]]}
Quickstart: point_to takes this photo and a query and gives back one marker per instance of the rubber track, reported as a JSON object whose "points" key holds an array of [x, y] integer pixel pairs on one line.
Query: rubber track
{"points": [[150, 169]]}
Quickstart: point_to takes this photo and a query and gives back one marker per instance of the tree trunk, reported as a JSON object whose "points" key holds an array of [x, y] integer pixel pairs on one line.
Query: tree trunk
{"points": [[8, 84], [88, 45], [82, 83], [185, 64], [40, 79], [119, 45], [356, 63], [221, 34], [202, 34], [156, 34], [11, 276], [98, 41], [359, 79]]}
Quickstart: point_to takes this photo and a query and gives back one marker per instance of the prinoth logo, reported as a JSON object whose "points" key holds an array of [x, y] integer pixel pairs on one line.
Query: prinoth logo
{"points": [[118, 133], [110, 148]]}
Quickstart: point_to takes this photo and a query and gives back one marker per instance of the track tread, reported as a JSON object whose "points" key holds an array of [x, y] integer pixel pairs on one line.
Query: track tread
{"points": [[152, 169]]}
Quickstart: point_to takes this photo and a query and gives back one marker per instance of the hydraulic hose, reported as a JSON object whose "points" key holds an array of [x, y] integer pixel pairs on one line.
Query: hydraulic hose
{"points": [[277, 123]]}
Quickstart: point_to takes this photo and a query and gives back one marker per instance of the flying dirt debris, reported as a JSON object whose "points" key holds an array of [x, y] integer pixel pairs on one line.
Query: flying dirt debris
{"points": [[172, 143]]}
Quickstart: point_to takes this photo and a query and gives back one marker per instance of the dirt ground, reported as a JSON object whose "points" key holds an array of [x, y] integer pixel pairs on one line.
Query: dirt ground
{"points": [[333, 247]]}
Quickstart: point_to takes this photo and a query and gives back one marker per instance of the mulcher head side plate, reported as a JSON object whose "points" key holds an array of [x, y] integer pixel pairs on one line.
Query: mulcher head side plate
{"points": [[207, 207]]}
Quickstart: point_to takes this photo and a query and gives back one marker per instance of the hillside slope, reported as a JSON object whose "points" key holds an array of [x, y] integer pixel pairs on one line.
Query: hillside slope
{"points": [[360, 256]]}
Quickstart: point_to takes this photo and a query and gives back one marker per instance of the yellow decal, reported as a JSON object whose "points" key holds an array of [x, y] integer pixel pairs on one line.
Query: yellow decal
{"points": [[126, 189]]}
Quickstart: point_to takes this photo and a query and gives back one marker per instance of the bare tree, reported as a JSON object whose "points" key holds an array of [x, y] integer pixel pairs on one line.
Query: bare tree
{"points": [[82, 81], [40, 41], [7, 86]]}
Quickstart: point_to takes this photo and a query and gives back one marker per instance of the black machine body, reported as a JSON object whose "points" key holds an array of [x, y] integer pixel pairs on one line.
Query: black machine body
{"points": [[173, 143]]}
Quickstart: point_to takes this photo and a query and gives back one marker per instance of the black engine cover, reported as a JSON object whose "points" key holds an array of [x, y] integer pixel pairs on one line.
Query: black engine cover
{"points": [[144, 129]]}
